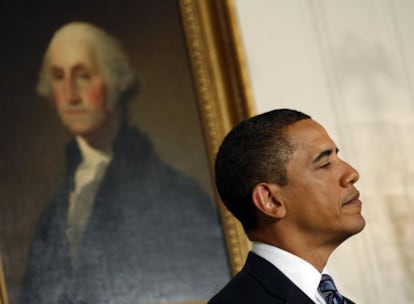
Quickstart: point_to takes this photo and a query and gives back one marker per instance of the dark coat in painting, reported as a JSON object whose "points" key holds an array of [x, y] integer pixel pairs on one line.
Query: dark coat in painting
{"points": [[153, 236]]}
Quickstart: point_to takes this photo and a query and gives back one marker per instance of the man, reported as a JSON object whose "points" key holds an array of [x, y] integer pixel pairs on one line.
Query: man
{"points": [[279, 173], [123, 227]]}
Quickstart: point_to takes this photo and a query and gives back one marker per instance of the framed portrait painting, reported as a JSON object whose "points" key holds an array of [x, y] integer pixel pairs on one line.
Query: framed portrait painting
{"points": [[154, 230]]}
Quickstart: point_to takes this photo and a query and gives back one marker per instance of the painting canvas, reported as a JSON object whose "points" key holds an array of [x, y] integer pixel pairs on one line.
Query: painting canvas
{"points": [[179, 107]]}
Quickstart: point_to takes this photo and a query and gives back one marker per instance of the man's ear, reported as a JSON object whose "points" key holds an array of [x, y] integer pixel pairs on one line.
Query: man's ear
{"points": [[268, 200]]}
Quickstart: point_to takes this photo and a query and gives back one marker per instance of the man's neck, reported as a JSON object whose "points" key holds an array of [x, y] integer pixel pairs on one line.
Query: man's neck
{"points": [[305, 248], [103, 138]]}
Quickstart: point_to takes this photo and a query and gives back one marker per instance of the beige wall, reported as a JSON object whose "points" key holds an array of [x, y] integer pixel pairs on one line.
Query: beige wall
{"points": [[350, 65]]}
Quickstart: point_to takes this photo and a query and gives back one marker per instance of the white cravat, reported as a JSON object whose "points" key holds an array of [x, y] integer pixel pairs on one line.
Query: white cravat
{"points": [[88, 177]]}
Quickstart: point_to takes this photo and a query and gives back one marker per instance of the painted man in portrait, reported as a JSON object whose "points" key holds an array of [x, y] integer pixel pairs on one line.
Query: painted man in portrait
{"points": [[123, 226]]}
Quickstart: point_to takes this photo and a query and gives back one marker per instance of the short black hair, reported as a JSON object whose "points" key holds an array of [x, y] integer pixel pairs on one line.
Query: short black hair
{"points": [[254, 151]]}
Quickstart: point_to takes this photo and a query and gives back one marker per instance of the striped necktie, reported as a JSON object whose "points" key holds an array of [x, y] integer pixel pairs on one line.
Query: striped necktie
{"points": [[329, 292]]}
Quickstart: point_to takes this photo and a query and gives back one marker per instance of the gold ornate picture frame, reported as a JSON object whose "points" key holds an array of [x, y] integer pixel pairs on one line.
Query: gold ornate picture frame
{"points": [[223, 89], [219, 83], [3, 289]]}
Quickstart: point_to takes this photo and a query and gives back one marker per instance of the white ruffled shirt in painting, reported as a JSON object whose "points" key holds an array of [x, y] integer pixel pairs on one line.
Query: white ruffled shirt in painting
{"points": [[88, 177]]}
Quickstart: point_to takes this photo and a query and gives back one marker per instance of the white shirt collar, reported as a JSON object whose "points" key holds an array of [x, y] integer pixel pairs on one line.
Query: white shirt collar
{"points": [[93, 165], [300, 272], [92, 155]]}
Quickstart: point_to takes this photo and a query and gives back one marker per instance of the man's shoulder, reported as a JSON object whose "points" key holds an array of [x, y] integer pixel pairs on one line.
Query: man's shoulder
{"points": [[243, 288], [260, 282]]}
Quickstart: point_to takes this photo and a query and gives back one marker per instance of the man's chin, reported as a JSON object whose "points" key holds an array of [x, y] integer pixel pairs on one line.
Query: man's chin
{"points": [[80, 129], [357, 225], [95, 136]]}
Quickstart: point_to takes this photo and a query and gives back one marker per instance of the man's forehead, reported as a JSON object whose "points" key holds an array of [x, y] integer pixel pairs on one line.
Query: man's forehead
{"points": [[66, 50], [310, 136], [305, 128], [81, 42], [77, 36]]}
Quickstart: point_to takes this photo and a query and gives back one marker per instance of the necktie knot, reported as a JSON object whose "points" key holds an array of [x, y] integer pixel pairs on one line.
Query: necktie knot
{"points": [[329, 292]]}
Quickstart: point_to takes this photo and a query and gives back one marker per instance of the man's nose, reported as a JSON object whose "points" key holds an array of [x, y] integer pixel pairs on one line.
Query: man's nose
{"points": [[71, 92], [350, 176]]}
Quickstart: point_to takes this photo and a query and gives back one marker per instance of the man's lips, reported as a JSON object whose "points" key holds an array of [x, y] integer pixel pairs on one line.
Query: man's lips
{"points": [[354, 199], [75, 111]]}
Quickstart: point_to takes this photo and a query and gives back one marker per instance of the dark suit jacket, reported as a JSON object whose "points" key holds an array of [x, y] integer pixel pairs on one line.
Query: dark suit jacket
{"points": [[152, 234], [259, 282]]}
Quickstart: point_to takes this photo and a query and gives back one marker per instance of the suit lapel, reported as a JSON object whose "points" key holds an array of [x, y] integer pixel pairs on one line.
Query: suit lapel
{"points": [[274, 281], [348, 301]]}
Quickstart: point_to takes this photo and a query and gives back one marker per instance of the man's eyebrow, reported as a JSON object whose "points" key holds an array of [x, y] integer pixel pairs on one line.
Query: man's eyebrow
{"points": [[55, 68], [323, 154]]}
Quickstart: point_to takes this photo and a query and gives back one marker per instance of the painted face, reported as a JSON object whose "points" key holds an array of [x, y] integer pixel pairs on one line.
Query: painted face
{"points": [[321, 199], [79, 86]]}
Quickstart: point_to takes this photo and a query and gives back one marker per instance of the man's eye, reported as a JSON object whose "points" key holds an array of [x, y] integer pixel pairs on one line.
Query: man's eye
{"points": [[325, 165], [57, 76], [83, 76]]}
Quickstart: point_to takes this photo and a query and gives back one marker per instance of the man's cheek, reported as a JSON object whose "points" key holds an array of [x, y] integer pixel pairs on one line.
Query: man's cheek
{"points": [[58, 96], [96, 95]]}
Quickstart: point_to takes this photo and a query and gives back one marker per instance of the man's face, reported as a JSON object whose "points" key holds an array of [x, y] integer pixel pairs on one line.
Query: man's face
{"points": [[321, 199], [79, 86]]}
